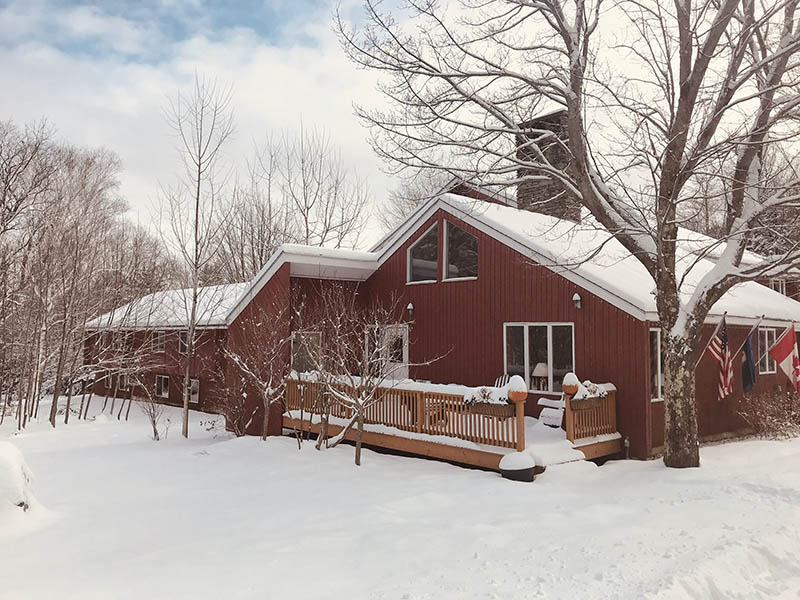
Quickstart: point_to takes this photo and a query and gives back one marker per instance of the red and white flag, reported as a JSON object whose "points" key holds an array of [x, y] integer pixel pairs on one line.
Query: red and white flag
{"points": [[785, 354], [720, 350]]}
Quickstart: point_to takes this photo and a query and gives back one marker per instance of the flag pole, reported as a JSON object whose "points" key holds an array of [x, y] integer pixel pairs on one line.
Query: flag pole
{"points": [[713, 335], [749, 333]]}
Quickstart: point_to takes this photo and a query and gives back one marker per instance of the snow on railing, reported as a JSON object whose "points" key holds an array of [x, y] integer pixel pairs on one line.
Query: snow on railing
{"points": [[420, 408]]}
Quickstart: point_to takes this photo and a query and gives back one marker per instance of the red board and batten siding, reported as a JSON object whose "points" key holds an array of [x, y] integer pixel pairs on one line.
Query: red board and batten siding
{"points": [[462, 323], [275, 293], [715, 417]]}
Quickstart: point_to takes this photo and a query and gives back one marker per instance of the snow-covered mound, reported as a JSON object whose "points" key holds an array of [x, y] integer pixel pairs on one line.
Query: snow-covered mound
{"points": [[15, 480]]}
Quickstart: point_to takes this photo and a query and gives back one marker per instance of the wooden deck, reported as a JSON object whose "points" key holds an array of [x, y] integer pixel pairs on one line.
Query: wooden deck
{"points": [[481, 435]]}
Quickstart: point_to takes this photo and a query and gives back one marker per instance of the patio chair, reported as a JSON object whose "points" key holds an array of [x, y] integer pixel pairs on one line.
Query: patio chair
{"points": [[552, 413]]}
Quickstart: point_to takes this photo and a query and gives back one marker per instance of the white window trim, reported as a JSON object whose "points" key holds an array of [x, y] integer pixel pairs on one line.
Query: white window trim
{"points": [[764, 352], [158, 395], [445, 252], [526, 358], [659, 367], [778, 285], [159, 341], [408, 258], [197, 379], [183, 335], [291, 342]]}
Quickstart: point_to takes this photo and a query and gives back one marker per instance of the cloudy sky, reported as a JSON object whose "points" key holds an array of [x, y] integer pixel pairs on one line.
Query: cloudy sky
{"points": [[101, 74]]}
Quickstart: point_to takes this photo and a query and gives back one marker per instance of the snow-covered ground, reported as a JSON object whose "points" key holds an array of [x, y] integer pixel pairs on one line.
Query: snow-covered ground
{"points": [[120, 516]]}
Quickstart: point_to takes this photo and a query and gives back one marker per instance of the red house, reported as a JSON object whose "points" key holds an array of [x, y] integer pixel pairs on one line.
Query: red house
{"points": [[492, 289]]}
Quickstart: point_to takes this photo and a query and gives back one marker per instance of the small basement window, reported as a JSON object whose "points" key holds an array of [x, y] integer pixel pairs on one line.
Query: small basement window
{"points": [[423, 257], [541, 353], [460, 253], [162, 386], [767, 337], [306, 347]]}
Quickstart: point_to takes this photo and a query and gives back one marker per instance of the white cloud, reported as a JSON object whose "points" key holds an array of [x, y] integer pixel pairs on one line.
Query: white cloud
{"points": [[115, 101]]}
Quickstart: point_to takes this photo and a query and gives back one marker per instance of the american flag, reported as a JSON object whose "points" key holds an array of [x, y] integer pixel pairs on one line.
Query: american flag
{"points": [[720, 350]]}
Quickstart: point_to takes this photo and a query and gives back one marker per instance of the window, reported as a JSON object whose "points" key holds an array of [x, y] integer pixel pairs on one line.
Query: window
{"points": [[460, 253], [766, 340], [423, 257], [162, 386], [183, 342], [159, 341], [118, 341], [305, 350], [541, 353], [656, 371], [779, 285], [194, 391], [124, 382], [386, 348]]}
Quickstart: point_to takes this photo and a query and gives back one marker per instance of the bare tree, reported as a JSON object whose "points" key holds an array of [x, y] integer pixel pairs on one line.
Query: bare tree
{"points": [[259, 350], [203, 123], [705, 88], [357, 360], [26, 168], [298, 191]]}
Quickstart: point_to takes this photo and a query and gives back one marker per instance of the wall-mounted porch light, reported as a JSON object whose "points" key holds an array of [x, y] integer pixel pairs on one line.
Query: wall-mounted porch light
{"points": [[576, 300], [410, 309]]}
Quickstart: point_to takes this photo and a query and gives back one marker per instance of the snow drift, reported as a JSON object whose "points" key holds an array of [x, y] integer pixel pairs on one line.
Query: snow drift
{"points": [[15, 480]]}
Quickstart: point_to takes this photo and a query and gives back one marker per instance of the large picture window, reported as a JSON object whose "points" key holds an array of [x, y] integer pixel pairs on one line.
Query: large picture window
{"points": [[541, 353], [305, 350], [767, 337], [656, 368], [460, 253], [423, 257]]}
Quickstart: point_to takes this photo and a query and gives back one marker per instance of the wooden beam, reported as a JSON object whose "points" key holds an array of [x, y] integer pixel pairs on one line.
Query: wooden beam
{"points": [[456, 454], [598, 449]]}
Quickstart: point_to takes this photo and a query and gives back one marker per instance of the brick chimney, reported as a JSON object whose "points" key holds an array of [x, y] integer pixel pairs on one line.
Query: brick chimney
{"points": [[546, 196]]}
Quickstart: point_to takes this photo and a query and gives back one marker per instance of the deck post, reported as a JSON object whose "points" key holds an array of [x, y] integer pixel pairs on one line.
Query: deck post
{"points": [[518, 398], [569, 417]]}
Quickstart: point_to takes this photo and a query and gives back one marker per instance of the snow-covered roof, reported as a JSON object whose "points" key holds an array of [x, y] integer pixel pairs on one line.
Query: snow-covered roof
{"points": [[170, 309], [592, 258], [585, 253], [309, 261]]}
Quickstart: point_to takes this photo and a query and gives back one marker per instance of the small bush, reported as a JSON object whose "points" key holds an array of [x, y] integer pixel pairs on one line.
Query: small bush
{"points": [[771, 414]]}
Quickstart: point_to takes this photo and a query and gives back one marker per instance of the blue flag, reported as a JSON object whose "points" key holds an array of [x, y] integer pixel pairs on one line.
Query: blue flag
{"points": [[748, 365]]}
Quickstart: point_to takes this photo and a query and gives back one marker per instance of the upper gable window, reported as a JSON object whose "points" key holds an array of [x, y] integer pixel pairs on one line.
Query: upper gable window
{"points": [[423, 257], [779, 285], [460, 253]]}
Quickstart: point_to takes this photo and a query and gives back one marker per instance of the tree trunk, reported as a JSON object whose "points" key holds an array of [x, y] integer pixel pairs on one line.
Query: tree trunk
{"points": [[359, 436], [681, 447], [70, 383], [265, 426]]}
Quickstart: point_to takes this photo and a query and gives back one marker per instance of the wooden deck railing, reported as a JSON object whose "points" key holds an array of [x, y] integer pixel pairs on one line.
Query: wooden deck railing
{"points": [[425, 412], [591, 417]]}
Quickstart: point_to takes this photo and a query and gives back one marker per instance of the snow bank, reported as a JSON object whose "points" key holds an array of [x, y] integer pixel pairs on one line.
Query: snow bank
{"points": [[15, 480]]}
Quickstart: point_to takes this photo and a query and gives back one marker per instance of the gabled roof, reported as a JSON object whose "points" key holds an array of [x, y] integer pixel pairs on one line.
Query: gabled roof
{"points": [[589, 256], [170, 309]]}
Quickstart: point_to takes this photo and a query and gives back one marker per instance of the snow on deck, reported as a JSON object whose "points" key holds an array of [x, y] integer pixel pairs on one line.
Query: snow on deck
{"points": [[547, 445]]}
